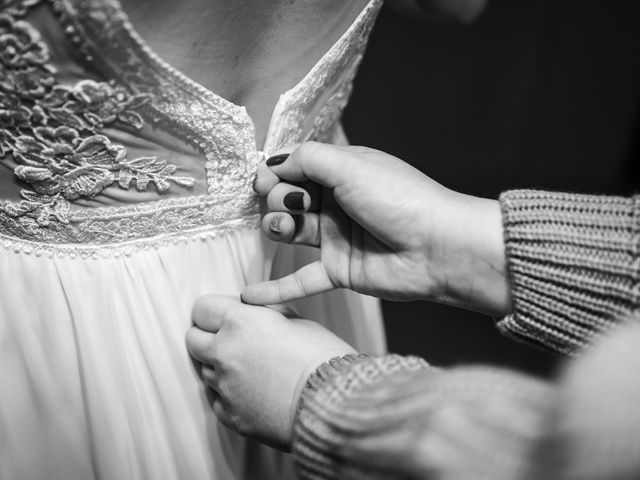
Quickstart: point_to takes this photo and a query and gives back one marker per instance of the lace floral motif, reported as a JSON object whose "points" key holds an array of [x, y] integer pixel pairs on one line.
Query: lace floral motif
{"points": [[52, 131], [17, 7], [40, 209], [221, 130], [329, 116], [162, 222]]}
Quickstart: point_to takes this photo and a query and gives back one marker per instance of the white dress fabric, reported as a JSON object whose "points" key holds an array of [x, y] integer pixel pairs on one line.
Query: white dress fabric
{"points": [[95, 301]]}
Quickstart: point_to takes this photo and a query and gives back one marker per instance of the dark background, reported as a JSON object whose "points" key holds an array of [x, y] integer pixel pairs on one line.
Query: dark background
{"points": [[535, 93]]}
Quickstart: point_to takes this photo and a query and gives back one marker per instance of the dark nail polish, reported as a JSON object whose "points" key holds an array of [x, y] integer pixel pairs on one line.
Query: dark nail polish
{"points": [[294, 201], [274, 224], [277, 159]]}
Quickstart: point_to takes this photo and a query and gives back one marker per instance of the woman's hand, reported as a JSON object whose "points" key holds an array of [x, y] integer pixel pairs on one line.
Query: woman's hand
{"points": [[256, 362], [383, 228]]}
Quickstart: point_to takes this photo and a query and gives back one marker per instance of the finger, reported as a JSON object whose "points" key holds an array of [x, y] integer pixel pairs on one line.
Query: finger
{"points": [[201, 345], [265, 180], [285, 309], [209, 376], [218, 409], [209, 311], [308, 280], [285, 197], [325, 164], [217, 405], [299, 229], [279, 226]]}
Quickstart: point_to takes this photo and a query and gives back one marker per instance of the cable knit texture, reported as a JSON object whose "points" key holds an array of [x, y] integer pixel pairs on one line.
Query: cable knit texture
{"points": [[574, 265], [396, 417], [573, 261]]}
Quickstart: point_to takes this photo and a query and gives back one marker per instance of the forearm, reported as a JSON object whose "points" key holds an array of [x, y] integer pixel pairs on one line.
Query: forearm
{"points": [[397, 417], [562, 268], [574, 265]]}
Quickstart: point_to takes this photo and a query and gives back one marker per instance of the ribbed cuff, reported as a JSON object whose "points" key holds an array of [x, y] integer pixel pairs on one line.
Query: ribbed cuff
{"points": [[324, 410], [574, 265]]}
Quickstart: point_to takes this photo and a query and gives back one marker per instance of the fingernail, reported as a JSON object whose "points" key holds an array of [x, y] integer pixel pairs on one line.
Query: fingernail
{"points": [[274, 224], [277, 159], [294, 201]]}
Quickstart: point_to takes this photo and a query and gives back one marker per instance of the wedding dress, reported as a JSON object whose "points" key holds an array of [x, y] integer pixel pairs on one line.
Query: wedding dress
{"points": [[126, 194]]}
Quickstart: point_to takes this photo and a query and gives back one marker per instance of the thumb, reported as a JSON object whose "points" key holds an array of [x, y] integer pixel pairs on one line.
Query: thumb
{"points": [[210, 311], [321, 163], [308, 280]]}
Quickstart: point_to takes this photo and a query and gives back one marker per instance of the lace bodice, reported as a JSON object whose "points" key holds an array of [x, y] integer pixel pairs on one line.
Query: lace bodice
{"points": [[57, 132]]}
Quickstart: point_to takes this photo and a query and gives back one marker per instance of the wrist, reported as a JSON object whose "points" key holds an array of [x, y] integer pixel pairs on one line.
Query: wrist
{"points": [[309, 369], [471, 257]]}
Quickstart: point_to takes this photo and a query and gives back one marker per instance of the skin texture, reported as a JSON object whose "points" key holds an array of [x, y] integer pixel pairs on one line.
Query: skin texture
{"points": [[247, 51], [251, 51], [383, 229], [257, 51], [256, 377]]}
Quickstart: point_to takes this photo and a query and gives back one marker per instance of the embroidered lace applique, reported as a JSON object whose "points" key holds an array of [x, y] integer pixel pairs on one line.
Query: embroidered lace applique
{"points": [[220, 130], [52, 131], [329, 116], [62, 154], [336, 70], [17, 7]]}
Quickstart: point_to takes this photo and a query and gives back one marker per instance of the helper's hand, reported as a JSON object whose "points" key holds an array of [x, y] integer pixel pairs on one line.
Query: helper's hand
{"points": [[256, 362], [383, 228]]}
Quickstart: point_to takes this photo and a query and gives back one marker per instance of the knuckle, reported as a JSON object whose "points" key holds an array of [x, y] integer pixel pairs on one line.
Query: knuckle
{"points": [[300, 286], [218, 357], [233, 317], [209, 376], [210, 357], [281, 297], [309, 149], [223, 356]]}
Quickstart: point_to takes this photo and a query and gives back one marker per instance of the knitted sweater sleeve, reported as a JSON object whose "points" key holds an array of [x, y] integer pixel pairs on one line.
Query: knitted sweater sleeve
{"points": [[396, 417], [574, 264]]}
